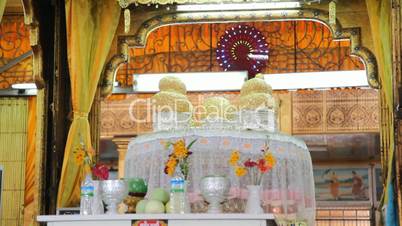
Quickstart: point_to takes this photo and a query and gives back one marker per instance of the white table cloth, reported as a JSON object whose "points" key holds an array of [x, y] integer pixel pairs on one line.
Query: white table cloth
{"points": [[288, 189]]}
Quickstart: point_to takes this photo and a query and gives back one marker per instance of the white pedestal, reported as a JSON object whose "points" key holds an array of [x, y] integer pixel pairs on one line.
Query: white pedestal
{"points": [[172, 219]]}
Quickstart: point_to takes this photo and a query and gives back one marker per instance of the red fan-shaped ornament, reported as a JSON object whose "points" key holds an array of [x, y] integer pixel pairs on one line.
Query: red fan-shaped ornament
{"points": [[242, 48]]}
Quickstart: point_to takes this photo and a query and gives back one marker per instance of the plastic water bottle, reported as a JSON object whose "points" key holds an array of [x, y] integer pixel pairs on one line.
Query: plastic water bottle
{"points": [[87, 196], [178, 199]]}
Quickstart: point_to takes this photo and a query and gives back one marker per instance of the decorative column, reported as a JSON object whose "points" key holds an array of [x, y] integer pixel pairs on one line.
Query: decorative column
{"points": [[122, 144]]}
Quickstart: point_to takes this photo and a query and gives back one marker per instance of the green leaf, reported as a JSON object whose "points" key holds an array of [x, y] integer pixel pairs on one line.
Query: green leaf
{"points": [[191, 144]]}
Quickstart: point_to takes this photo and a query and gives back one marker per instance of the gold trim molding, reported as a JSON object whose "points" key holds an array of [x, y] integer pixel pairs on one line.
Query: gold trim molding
{"points": [[138, 40], [31, 21]]}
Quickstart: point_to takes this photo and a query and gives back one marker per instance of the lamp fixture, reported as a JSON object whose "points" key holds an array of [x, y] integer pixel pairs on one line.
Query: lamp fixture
{"points": [[233, 80], [194, 81], [317, 80], [239, 6], [24, 86]]}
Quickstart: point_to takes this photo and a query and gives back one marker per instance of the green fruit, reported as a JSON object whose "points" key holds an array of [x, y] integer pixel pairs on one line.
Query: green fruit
{"points": [[154, 206], [160, 195], [137, 185], [140, 207], [168, 208]]}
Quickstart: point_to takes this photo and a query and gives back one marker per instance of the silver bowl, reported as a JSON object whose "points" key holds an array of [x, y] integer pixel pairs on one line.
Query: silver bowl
{"points": [[215, 190], [113, 193]]}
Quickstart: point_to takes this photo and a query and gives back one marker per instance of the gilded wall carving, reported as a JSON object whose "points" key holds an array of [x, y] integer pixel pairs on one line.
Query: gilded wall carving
{"points": [[14, 42], [294, 46], [332, 111], [138, 40], [335, 111]]}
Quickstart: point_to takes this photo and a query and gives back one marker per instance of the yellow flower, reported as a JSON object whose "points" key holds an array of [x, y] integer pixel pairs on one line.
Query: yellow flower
{"points": [[240, 171], [270, 159], [234, 157], [170, 170], [179, 149], [172, 162], [171, 165]]}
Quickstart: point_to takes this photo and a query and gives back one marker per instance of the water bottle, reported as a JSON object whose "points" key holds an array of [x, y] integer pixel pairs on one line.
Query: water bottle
{"points": [[87, 195], [178, 199]]}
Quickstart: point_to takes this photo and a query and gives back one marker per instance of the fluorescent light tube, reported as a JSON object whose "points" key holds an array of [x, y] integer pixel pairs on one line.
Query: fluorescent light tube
{"points": [[233, 81], [238, 6], [197, 81], [317, 80], [24, 86]]}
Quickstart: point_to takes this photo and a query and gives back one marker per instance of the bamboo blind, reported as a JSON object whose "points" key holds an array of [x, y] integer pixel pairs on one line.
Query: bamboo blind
{"points": [[13, 141]]}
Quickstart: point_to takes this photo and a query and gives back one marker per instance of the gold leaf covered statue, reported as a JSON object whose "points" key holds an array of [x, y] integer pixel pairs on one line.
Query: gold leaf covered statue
{"points": [[218, 113], [257, 106], [172, 108], [218, 107], [256, 93], [172, 96]]}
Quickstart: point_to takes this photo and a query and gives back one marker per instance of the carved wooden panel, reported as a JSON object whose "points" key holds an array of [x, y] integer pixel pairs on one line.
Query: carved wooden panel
{"points": [[335, 111]]}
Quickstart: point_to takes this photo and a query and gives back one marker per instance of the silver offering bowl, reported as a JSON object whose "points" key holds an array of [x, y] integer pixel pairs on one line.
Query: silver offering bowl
{"points": [[113, 193], [215, 190]]}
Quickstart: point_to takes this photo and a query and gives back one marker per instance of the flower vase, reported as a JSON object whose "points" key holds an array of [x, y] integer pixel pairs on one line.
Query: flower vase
{"points": [[253, 205], [97, 205]]}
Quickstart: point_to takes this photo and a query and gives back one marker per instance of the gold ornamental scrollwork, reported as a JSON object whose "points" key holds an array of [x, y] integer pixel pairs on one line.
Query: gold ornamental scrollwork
{"points": [[138, 40]]}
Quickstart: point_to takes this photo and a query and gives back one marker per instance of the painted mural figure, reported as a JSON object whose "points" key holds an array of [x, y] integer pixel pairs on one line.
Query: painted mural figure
{"points": [[357, 185], [334, 186]]}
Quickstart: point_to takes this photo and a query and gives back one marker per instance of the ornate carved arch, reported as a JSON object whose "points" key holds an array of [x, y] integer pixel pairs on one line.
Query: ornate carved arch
{"points": [[139, 39]]}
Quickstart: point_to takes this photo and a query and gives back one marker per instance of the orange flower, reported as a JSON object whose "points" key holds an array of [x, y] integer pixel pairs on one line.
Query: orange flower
{"points": [[234, 158], [262, 166], [270, 160], [170, 170], [172, 162], [179, 149], [170, 166], [178, 156], [240, 171]]}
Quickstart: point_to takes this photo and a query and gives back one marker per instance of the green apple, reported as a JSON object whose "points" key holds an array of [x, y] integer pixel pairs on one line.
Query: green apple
{"points": [[140, 207], [168, 208], [159, 194], [154, 206]]}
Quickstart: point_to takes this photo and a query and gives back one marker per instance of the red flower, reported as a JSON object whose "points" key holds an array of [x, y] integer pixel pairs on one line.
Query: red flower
{"points": [[250, 163], [101, 172], [262, 166]]}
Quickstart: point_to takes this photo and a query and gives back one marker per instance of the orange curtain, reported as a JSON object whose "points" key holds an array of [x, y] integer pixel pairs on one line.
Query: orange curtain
{"points": [[91, 27], [30, 188]]}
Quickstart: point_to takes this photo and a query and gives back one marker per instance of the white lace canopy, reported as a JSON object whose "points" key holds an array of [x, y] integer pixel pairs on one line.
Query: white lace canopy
{"points": [[288, 189]]}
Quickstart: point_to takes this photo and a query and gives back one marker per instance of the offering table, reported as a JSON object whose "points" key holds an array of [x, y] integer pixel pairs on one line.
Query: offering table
{"points": [[171, 219]]}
